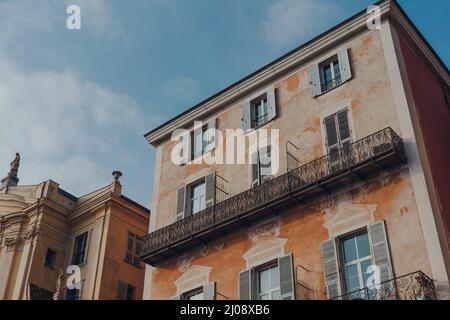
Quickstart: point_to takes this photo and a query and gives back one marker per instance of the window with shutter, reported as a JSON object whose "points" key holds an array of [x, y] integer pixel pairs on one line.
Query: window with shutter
{"points": [[181, 200], [331, 268], [245, 292], [380, 250], [133, 249], [337, 131], [285, 265], [261, 166], [79, 250]]}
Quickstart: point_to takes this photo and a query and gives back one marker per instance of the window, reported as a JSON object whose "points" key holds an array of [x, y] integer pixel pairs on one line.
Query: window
{"points": [[197, 294], [50, 259], [131, 292], [133, 249], [79, 249], [72, 294], [259, 111], [330, 74], [268, 283], [337, 131], [262, 166], [199, 142], [125, 291], [356, 258], [197, 197]]}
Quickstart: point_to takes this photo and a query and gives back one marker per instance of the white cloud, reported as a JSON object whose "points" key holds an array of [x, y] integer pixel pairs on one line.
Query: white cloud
{"points": [[66, 128], [289, 22], [182, 88]]}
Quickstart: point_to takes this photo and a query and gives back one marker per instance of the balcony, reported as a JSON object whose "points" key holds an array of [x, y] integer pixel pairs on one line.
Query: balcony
{"points": [[358, 161], [413, 286]]}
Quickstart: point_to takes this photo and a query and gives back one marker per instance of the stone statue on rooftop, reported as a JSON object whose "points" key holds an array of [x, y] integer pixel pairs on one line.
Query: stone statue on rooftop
{"points": [[15, 166]]}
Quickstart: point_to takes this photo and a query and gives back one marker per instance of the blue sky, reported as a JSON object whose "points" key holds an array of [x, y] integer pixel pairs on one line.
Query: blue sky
{"points": [[76, 103]]}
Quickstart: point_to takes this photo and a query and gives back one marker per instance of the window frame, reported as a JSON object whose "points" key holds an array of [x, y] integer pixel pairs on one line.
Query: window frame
{"points": [[263, 101], [189, 294], [261, 178], [335, 81], [189, 189], [256, 278], [85, 249], [343, 264], [134, 258]]}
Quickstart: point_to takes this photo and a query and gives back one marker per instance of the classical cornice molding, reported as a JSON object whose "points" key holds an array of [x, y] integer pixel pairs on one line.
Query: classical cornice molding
{"points": [[299, 57]]}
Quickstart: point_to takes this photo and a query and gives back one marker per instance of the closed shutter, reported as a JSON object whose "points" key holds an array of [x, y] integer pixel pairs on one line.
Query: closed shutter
{"points": [[380, 250], [331, 268], [331, 134], [245, 291], [122, 290], [209, 291], [246, 115], [181, 194], [344, 64], [314, 75], [285, 266], [210, 193], [344, 128], [265, 164], [255, 170], [271, 99], [211, 135]]}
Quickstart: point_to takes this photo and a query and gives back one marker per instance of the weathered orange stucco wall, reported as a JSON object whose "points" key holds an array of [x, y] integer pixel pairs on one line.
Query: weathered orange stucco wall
{"points": [[369, 98]]}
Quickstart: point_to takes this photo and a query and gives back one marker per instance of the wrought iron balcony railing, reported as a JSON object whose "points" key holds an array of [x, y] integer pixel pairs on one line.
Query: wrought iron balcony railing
{"points": [[379, 150], [413, 286]]}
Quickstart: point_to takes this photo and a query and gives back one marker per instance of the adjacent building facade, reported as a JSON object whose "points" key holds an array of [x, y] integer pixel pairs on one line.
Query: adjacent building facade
{"points": [[353, 175], [46, 234]]}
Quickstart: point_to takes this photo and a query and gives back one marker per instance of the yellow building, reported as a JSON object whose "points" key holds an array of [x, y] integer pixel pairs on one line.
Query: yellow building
{"points": [[44, 230]]}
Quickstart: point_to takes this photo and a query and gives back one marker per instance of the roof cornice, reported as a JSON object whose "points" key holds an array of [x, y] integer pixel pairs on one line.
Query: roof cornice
{"points": [[297, 57]]}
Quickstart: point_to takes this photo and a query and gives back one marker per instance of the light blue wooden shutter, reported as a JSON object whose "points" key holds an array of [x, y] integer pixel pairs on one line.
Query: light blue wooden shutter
{"points": [[380, 250], [211, 135], [344, 64], [255, 176], [331, 268], [246, 115], [210, 193], [265, 161], [314, 75], [271, 99], [285, 266], [198, 142], [245, 291], [181, 203], [209, 291]]}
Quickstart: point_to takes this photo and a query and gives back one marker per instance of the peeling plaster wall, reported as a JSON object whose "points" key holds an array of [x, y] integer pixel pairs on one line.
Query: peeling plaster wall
{"points": [[390, 197]]}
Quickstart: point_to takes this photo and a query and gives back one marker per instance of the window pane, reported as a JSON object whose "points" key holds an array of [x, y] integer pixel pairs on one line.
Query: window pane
{"points": [[327, 74], [363, 246], [264, 281], [352, 277], [364, 266], [350, 254], [276, 295], [274, 278], [337, 70], [265, 297]]}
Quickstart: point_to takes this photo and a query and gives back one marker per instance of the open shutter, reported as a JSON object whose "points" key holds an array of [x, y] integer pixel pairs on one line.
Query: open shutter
{"points": [[185, 150], [272, 109], [331, 268], [246, 115], [285, 265], [314, 76], [344, 128], [344, 64], [211, 135], [181, 194], [198, 142], [255, 170], [265, 164], [209, 291], [380, 250], [331, 134], [245, 291], [210, 194], [121, 290]]}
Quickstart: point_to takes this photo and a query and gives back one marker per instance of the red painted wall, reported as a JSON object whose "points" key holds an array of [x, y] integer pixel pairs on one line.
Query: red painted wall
{"points": [[434, 120]]}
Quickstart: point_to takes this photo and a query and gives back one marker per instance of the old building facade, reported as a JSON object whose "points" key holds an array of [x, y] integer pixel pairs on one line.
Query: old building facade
{"points": [[47, 234], [362, 118]]}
